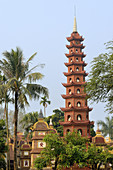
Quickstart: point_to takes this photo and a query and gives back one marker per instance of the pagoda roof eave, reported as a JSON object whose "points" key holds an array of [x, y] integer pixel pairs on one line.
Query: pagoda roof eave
{"points": [[76, 123], [75, 54], [73, 84], [75, 73], [85, 108], [76, 63], [76, 46], [75, 36], [73, 95]]}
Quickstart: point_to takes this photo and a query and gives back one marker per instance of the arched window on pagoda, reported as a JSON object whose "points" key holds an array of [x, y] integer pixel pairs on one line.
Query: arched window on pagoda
{"points": [[78, 104], [79, 117], [69, 104], [78, 91], [87, 117], [79, 131], [71, 60], [78, 80], [76, 51], [71, 51], [77, 69], [68, 118], [68, 130], [70, 80], [71, 70], [77, 59], [69, 91]]}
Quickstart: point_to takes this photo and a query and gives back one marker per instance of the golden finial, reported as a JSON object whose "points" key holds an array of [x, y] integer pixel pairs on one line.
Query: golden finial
{"points": [[75, 24]]}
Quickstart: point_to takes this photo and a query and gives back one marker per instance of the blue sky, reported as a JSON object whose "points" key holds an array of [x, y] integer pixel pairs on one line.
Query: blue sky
{"points": [[42, 26]]}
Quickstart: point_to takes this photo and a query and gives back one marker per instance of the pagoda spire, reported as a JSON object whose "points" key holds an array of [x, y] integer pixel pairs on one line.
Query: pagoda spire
{"points": [[75, 25]]}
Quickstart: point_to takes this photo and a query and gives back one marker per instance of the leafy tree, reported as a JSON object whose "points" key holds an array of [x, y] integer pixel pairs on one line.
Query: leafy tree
{"points": [[100, 84], [28, 121], [44, 101], [96, 156], [17, 73], [64, 152], [58, 116], [106, 127], [3, 147]]}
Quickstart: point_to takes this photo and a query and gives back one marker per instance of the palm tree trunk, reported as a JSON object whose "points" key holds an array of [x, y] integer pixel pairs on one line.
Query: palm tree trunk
{"points": [[7, 127], [44, 111], [15, 130]]}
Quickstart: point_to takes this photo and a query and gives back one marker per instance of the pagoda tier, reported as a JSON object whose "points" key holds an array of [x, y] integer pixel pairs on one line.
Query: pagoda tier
{"points": [[75, 54], [76, 63], [76, 123], [85, 108], [75, 73], [75, 37], [73, 84], [76, 111], [73, 95], [75, 45]]}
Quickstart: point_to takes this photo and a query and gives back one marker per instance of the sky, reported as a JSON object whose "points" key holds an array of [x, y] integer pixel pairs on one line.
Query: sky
{"points": [[42, 26]]}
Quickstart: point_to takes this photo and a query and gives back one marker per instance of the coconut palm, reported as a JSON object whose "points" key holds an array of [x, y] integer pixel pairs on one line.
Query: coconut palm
{"points": [[4, 98], [107, 126], [44, 101], [28, 121], [18, 74]]}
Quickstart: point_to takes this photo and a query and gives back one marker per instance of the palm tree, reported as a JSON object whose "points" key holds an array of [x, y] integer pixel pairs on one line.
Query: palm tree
{"points": [[4, 98], [106, 127], [18, 73], [44, 101], [28, 121]]}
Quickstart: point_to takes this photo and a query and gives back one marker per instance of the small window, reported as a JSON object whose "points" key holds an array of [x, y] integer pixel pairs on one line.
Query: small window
{"points": [[78, 91], [71, 51], [76, 59], [71, 60], [68, 130], [69, 91], [79, 131], [78, 104], [79, 117], [69, 104], [69, 118], [87, 117], [77, 69], [26, 163], [76, 51], [70, 80], [71, 70], [26, 153], [77, 79]]}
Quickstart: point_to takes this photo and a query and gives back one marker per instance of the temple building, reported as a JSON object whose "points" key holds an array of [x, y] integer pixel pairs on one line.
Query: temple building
{"points": [[76, 110]]}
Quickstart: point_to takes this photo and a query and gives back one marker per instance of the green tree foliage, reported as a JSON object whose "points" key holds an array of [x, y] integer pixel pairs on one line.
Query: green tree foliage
{"points": [[56, 117], [3, 147], [72, 149], [107, 126], [28, 121], [21, 81], [100, 84], [96, 156], [62, 151], [44, 101]]}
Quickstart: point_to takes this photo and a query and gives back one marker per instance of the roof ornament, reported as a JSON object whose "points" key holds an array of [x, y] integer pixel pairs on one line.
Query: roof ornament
{"points": [[40, 116], [50, 124], [75, 23]]}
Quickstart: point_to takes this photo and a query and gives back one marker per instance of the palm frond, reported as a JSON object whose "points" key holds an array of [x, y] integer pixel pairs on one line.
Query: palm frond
{"points": [[33, 77], [31, 58]]}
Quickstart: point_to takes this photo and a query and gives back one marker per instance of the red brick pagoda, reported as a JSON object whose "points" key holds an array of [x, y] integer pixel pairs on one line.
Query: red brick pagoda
{"points": [[76, 111]]}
